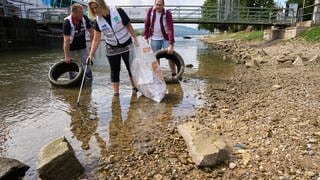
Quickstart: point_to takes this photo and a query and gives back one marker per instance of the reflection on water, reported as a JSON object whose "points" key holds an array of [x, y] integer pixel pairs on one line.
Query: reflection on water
{"points": [[33, 113], [143, 117]]}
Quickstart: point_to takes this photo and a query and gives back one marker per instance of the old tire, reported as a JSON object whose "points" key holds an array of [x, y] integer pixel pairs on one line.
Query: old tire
{"points": [[62, 67], [176, 58]]}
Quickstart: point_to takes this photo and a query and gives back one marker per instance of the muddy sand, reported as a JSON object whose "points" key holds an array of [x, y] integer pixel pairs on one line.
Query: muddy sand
{"points": [[268, 112]]}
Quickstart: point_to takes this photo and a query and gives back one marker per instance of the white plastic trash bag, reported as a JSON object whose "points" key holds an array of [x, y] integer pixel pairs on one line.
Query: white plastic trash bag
{"points": [[146, 73]]}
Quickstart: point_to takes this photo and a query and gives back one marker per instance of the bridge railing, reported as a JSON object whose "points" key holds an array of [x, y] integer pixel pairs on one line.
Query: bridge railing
{"points": [[309, 12], [48, 15], [215, 14], [187, 14], [13, 10]]}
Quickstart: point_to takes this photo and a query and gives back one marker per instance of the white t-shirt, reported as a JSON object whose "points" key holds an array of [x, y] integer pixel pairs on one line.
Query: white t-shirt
{"points": [[157, 33]]}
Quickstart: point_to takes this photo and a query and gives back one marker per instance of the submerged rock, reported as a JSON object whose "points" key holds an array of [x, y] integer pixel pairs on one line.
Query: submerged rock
{"points": [[57, 159], [12, 169], [204, 146]]}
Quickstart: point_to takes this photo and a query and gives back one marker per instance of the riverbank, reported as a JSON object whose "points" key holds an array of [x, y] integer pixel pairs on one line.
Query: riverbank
{"points": [[268, 112]]}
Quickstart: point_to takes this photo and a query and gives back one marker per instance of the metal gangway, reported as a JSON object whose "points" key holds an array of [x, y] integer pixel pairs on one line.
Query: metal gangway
{"points": [[221, 15], [188, 14]]}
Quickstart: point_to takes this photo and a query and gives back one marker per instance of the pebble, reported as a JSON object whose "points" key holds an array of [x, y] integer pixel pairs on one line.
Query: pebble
{"points": [[313, 140], [276, 87], [261, 169], [232, 165], [272, 135], [309, 173]]}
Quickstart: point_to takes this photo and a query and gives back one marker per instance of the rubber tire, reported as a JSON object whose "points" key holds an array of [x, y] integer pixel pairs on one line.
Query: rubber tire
{"points": [[62, 67], [176, 58]]}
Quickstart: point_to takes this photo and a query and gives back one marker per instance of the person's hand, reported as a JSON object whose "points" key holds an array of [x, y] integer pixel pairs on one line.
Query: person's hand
{"points": [[136, 42], [67, 59], [170, 49], [147, 41], [89, 60]]}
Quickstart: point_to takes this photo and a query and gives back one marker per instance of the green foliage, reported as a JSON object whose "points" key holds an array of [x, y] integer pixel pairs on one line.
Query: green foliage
{"points": [[258, 3], [249, 36], [210, 11], [243, 35], [207, 7], [311, 35]]}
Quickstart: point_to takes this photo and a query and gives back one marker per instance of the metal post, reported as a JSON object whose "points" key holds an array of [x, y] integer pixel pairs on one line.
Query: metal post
{"points": [[270, 14]]}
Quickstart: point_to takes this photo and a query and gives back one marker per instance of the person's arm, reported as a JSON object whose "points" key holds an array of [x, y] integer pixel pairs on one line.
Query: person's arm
{"points": [[170, 32], [95, 44], [66, 40], [147, 25], [91, 31], [66, 48], [133, 34]]}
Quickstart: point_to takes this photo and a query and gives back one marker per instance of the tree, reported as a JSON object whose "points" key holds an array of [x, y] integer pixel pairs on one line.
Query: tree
{"points": [[207, 7], [258, 3]]}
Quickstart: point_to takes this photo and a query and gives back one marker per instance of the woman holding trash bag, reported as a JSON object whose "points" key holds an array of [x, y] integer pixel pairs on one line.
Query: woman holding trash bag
{"points": [[114, 24]]}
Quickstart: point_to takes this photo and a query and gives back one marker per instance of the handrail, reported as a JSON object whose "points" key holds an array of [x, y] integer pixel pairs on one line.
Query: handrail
{"points": [[191, 14]]}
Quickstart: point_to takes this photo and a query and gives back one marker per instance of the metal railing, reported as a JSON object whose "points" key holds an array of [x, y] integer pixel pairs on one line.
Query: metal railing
{"points": [[214, 14], [189, 14], [308, 12], [10, 10], [48, 15]]}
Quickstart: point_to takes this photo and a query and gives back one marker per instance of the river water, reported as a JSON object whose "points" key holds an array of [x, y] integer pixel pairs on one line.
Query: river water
{"points": [[33, 113]]}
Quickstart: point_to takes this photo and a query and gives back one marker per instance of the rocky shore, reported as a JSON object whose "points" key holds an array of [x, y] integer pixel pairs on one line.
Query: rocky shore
{"points": [[268, 112]]}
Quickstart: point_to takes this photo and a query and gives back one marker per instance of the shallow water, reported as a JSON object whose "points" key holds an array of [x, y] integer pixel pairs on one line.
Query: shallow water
{"points": [[32, 113]]}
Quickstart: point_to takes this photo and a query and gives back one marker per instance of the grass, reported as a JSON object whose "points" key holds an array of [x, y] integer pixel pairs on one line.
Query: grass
{"points": [[249, 36], [244, 36], [311, 35]]}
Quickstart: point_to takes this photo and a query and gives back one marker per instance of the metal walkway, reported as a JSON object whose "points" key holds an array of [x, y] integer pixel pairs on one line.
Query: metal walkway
{"points": [[189, 14]]}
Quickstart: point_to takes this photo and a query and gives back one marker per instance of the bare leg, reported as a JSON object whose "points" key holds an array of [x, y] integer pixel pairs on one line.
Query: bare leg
{"points": [[115, 87], [132, 83]]}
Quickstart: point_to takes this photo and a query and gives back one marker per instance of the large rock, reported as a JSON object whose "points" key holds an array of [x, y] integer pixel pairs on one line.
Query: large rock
{"points": [[57, 159], [204, 146], [12, 169], [252, 63]]}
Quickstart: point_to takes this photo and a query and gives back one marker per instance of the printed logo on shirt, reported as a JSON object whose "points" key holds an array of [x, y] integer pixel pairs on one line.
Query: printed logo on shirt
{"points": [[116, 19], [104, 27]]}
